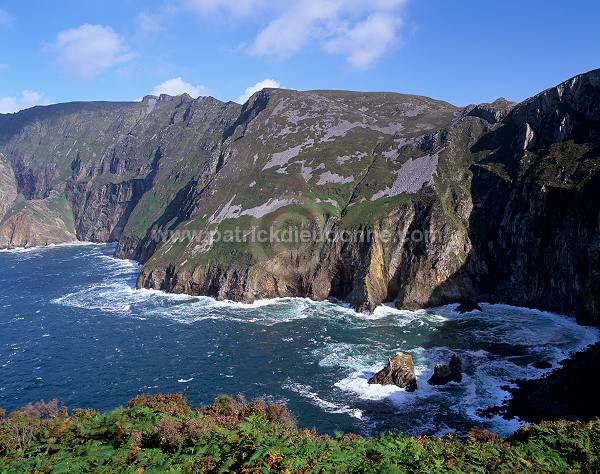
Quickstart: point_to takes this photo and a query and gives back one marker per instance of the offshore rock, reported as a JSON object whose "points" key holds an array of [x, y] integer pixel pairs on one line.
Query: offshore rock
{"points": [[399, 371], [443, 374], [467, 307]]}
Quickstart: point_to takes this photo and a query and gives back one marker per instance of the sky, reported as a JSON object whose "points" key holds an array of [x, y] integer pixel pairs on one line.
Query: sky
{"points": [[460, 51]]}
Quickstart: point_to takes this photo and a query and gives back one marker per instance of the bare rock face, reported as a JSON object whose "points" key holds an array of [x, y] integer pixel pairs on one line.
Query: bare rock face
{"points": [[38, 223], [443, 374], [493, 112], [400, 371]]}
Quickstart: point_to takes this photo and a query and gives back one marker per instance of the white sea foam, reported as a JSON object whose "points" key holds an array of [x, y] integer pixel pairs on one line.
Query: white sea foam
{"points": [[307, 392], [121, 298], [358, 357], [47, 247], [540, 334], [110, 297]]}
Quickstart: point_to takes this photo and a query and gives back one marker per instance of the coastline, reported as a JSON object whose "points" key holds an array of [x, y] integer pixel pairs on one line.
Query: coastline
{"points": [[569, 392]]}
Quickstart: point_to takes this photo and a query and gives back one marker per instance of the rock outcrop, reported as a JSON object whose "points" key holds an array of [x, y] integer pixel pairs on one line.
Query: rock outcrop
{"points": [[399, 371], [443, 374], [568, 392], [493, 112], [495, 202]]}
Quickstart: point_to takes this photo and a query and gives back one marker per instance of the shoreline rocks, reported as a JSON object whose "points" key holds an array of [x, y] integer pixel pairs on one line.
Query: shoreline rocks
{"points": [[568, 392], [399, 371]]}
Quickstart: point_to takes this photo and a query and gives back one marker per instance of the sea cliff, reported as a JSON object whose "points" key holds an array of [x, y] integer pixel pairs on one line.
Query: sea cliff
{"points": [[495, 202]]}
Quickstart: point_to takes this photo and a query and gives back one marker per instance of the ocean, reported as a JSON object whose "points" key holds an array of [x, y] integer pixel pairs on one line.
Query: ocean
{"points": [[73, 328]]}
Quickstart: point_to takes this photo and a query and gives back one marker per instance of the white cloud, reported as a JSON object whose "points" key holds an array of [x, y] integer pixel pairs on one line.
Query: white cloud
{"points": [[360, 30], [88, 50], [6, 18], [178, 86], [148, 24], [27, 99], [229, 8], [291, 31], [257, 87], [366, 41]]}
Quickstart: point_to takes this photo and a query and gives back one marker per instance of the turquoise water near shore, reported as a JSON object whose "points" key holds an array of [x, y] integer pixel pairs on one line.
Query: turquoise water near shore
{"points": [[73, 327]]}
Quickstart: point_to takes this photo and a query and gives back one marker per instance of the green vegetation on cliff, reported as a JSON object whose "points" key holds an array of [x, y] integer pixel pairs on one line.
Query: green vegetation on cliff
{"points": [[161, 433]]}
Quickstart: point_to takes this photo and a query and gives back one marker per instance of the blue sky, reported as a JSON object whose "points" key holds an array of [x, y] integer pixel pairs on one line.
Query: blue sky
{"points": [[460, 51]]}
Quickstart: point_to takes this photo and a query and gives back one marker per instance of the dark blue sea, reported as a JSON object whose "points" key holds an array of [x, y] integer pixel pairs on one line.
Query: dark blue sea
{"points": [[73, 328]]}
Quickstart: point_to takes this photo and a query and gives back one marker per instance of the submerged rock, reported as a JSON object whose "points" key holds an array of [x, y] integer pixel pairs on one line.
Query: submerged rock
{"points": [[443, 374], [400, 371], [467, 307]]}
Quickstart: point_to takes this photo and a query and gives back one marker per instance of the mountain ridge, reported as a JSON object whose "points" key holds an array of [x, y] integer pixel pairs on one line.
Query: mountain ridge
{"points": [[491, 182]]}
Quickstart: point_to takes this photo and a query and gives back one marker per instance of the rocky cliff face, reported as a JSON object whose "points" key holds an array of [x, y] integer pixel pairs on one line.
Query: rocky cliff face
{"points": [[31, 222], [399, 198], [117, 166], [535, 224], [327, 162]]}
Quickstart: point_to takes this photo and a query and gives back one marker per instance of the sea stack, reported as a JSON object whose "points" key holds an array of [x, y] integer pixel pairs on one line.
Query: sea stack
{"points": [[443, 374]]}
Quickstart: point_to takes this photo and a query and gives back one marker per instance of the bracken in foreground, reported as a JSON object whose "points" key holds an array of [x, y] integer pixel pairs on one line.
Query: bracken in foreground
{"points": [[162, 433]]}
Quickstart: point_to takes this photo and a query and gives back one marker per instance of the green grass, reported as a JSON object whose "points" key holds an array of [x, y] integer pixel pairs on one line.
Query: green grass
{"points": [[17, 206], [233, 251], [310, 216], [366, 212], [161, 433], [60, 204]]}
